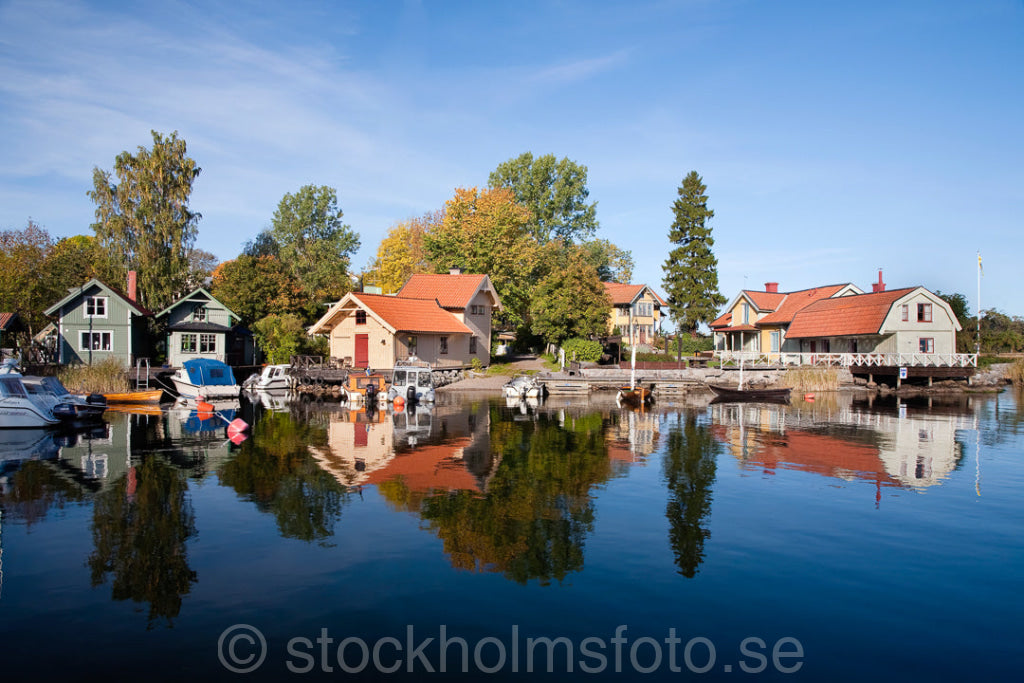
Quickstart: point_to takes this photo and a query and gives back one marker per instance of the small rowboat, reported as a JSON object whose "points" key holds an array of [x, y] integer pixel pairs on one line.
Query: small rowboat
{"points": [[153, 396]]}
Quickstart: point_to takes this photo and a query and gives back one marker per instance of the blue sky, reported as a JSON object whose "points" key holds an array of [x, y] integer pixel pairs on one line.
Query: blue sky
{"points": [[834, 138]]}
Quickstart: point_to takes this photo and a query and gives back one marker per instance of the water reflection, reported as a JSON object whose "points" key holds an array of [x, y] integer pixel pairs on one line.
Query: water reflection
{"points": [[690, 464], [894, 443]]}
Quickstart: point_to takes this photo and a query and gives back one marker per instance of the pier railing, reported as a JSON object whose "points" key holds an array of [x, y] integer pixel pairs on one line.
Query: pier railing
{"points": [[845, 360]]}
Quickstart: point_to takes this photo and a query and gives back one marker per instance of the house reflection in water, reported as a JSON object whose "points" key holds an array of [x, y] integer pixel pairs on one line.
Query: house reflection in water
{"points": [[634, 436], [897, 446], [428, 448]]}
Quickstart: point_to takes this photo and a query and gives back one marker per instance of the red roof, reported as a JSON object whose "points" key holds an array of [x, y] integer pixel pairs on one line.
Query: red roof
{"points": [[722, 320], [794, 301], [622, 294], [765, 301], [846, 315], [411, 315], [451, 291]]}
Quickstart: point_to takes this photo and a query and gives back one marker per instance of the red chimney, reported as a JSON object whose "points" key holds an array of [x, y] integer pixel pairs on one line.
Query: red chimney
{"points": [[771, 287], [132, 286], [878, 286]]}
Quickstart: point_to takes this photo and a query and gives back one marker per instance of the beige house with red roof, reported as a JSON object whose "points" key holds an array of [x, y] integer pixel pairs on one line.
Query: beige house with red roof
{"points": [[636, 312], [444, 320], [840, 324]]}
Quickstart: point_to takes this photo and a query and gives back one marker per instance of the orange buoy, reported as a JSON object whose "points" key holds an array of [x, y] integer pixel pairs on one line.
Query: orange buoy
{"points": [[399, 402]]}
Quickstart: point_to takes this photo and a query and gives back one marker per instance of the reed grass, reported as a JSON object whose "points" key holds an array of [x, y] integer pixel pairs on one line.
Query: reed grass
{"points": [[812, 379], [106, 377], [1015, 373]]}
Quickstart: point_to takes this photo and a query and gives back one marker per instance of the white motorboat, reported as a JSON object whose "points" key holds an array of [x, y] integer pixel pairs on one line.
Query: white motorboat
{"points": [[205, 378], [63, 404], [272, 378], [523, 386], [413, 381], [18, 407]]}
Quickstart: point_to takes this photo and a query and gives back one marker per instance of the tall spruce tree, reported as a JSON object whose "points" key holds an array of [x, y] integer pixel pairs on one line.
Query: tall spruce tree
{"points": [[691, 271]]}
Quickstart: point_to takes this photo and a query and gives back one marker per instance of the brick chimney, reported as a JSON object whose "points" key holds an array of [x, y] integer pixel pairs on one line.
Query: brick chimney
{"points": [[771, 287], [132, 286], [878, 286]]}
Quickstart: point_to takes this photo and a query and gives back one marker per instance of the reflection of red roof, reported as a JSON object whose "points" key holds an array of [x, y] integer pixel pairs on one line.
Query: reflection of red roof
{"points": [[845, 315], [412, 315], [430, 468], [624, 294], [815, 453], [795, 301], [451, 291]]}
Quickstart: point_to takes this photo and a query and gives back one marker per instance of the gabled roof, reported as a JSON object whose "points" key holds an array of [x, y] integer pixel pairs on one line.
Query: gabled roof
{"points": [[450, 291], [846, 315], [189, 298], [625, 294], [398, 314], [9, 321], [76, 292], [794, 301]]}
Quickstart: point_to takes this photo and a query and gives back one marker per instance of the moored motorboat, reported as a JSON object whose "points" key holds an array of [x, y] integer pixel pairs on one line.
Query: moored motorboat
{"points": [[365, 389], [205, 378], [523, 386], [412, 380], [272, 378], [18, 407]]}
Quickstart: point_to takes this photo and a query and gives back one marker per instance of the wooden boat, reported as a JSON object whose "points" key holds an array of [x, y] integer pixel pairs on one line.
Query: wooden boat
{"points": [[363, 389], [725, 394], [131, 397], [635, 395]]}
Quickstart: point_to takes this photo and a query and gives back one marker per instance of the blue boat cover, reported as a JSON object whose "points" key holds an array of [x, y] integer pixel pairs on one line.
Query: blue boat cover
{"points": [[209, 372]]}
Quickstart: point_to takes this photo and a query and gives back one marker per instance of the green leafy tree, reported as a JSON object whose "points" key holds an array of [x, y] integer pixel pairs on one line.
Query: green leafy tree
{"points": [[254, 287], [23, 286], [143, 221], [313, 241], [570, 302], [555, 191], [401, 253], [487, 232], [966, 337], [613, 264], [691, 271], [280, 336]]}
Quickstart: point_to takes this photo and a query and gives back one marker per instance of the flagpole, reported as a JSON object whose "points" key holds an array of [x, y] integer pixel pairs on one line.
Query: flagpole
{"points": [[977, 347]]}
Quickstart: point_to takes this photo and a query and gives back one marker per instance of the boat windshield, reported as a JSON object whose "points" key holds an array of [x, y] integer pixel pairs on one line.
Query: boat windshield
{"points": [[399, 378], [424, 379], [53, 385], [11, 386]]}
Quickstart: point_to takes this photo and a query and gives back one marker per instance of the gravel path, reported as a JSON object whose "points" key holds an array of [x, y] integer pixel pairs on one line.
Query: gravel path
{"points": [[495, 382]]}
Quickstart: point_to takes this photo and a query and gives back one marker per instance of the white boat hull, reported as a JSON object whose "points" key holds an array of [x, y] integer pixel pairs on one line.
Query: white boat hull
{"points": [[24, 414], [209, 391]]}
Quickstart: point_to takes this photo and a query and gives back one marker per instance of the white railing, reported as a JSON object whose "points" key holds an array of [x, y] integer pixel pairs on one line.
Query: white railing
{"points": [[936, 360]]}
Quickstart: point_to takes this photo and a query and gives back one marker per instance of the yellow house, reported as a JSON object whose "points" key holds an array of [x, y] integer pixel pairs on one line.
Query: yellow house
{"points": [[636, 312]]}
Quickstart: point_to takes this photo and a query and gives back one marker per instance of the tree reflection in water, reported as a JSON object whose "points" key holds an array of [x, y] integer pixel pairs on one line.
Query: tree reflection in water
{"points": [[531, 522], [274, 470], [140, 525], [690, 466]]}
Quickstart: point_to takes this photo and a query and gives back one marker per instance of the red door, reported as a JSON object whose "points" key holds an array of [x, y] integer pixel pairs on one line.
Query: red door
{"points": [[362, 359]]}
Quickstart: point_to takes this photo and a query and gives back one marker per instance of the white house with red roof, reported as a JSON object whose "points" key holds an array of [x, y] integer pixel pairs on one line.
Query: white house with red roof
{"points": [[443, 319], [636, 312]]}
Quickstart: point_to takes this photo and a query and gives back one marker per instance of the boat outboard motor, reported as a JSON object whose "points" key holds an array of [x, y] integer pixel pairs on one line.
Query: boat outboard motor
{"points": [[371, 393], [410, 395]]}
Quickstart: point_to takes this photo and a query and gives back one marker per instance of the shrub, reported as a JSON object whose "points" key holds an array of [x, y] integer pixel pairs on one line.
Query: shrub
{"points": [[1016, 372], [582, 350], [105, 377]]}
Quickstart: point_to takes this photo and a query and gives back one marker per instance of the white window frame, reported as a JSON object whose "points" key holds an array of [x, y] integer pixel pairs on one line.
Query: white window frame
{"points": [[186, 336], [90, 335], [207, 343], [95, 303], [200, 314]]}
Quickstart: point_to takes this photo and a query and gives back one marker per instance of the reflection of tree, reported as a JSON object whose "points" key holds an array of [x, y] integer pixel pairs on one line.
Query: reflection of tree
{"points": [[274, 469], [140, 525], [690, 464], [36, 487], [537, 511]]}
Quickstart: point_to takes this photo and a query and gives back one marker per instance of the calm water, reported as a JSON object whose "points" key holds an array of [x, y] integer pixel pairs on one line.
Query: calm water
{"points": [[834, 540]]}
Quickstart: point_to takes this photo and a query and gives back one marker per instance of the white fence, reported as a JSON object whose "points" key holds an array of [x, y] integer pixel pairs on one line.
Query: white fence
{"points": [[935, 360]]}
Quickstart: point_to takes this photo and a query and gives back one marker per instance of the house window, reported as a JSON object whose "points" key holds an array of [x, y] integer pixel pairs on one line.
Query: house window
{"points": [[472, 344], [444, 344], [926, 345], [775, 336], [95, 341], [199, 313], [207, 343], [924, 313], [188, 343], [412, 345], [360, 317], [95, 307], [476, 309], [905, 312], [746, 314]]}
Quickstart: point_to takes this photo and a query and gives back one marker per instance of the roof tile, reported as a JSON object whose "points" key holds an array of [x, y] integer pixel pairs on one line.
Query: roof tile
{"points": [[846, 315]]}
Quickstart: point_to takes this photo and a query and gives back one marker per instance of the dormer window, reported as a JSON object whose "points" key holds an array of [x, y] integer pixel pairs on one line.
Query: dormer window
{"points": [[199, 313], [95, 307]]}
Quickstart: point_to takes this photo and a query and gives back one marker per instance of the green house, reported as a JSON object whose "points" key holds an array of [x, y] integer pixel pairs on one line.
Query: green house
{"points": [[199, 326], [96, 322]]}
